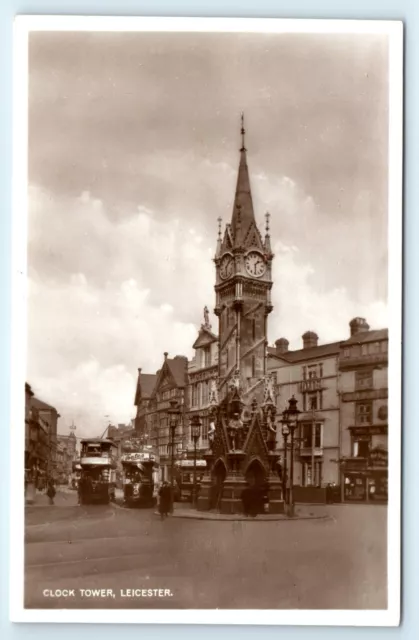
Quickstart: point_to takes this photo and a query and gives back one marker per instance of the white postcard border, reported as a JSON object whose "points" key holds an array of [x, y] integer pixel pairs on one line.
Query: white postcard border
{"points": [[25, 24]]}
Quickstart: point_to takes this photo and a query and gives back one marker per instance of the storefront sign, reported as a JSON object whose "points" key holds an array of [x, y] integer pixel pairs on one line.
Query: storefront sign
{"points": [[373, 430], [359, 396], [139, 456], [190, 463]]}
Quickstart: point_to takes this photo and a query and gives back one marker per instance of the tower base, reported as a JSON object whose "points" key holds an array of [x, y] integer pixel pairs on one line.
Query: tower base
{"points": [[228, 498]]}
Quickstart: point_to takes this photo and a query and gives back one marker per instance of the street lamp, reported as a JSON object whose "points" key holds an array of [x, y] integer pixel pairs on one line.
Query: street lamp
{"points": [[285, 434], [290, 422], [195, 433], [174, 413]]}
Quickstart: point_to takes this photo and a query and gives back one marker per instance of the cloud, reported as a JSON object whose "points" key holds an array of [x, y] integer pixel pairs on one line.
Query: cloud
{"points": [[106, 297]]}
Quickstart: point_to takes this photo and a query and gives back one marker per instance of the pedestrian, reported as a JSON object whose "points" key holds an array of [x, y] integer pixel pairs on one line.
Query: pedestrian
{"points": [[246, 497], [165, 500], [51, 491]]}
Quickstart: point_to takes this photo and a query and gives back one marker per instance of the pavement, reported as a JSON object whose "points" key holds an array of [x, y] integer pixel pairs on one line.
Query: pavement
{"points": [[140, 561]]}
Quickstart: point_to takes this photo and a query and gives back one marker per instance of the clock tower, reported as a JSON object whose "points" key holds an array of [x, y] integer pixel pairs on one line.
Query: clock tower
{"points": [[242, 403], [243, 263]]}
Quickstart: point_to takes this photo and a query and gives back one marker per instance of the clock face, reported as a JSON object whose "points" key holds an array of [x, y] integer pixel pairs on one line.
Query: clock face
{"points": [[255, 264], [226, 267]]}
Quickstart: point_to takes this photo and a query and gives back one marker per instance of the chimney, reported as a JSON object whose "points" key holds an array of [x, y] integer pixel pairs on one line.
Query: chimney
{"points": [[357, 325], [165, 355], [281, 346], [310, 339], [139, 369]]}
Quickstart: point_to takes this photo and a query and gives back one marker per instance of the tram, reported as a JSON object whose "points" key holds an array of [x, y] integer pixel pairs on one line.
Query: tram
{"points": [[140, 476], [98, 471]]}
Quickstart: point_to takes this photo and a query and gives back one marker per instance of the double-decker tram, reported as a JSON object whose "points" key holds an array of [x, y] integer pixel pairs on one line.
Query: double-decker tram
{"points": [[98, 470], [140, 473]]}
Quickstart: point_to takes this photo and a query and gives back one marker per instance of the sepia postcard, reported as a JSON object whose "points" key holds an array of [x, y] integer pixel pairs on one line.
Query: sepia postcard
{"points": [[206, 371]]}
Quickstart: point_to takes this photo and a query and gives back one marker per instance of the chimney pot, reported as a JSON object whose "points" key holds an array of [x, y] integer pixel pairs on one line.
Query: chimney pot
{"points": [[310, 339], [357, 325], [281, 346]]}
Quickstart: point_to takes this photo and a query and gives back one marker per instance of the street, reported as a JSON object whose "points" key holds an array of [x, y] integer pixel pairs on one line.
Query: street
{"points": [[142, 562]]}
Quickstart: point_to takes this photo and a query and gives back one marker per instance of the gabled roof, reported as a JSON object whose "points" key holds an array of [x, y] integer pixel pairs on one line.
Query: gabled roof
{"points": [[205, 337], [179, 368], [145, 385], [368, 336], [176, 369]]}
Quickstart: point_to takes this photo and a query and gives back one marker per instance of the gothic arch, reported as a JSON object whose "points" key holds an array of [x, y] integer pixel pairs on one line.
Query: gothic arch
{"points": [[255, 471]]}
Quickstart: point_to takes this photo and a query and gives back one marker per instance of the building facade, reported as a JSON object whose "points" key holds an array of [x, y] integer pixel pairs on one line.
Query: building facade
{"points": [[49, 417], [202, 374], [310, 375], [152, 423], [37, 451], [65, 456], [363, 373]]}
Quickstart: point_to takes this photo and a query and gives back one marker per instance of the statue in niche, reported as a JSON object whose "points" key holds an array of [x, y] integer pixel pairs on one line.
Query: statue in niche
{"points": [[235, 431]]}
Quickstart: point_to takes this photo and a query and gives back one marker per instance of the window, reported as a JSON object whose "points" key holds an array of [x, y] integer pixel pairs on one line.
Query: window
{"points": [[207, 357], [320, 370], [320, 400], [205, 393], [361, 448], [194, 395], [308, 479], [363, 380], [253, 367], [254, 329], [364, 349], [204, 429], [312, 401], [312, 372], [307, 435], [304, 373], [364, 412], [346, 352], [384, 346]]}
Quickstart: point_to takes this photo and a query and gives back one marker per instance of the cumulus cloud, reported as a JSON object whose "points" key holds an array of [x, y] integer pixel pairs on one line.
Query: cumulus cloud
{"points": [[106, 297]]}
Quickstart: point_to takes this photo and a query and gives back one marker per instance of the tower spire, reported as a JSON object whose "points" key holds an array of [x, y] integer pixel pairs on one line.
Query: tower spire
{"points": [[267, 234], [243, 215], [242, 131]]}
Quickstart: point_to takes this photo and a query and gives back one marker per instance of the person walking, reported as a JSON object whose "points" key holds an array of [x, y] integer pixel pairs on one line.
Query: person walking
{"points": [[165, 500], [51, 491]]}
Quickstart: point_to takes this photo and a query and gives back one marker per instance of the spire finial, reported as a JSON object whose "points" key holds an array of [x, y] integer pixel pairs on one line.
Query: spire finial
{"points": [[267, 217], [219, 220], [242, 131]]}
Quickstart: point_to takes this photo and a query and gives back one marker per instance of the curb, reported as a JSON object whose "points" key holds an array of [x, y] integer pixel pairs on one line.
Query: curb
{"points": [[226, 518]]}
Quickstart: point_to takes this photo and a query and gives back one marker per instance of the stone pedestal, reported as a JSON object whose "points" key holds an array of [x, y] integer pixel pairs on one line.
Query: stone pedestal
{"points": [[204, 499], [231, 501], [276, 503]]}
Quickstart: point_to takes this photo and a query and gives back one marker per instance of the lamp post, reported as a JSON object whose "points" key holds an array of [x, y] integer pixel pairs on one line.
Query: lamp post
{"points": [[290, 421], [174, 413], [195, 433], [285, 434]]}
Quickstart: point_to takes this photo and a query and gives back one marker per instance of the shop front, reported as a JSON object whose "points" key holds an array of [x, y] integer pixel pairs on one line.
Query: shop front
{"points": [[366, 480]]}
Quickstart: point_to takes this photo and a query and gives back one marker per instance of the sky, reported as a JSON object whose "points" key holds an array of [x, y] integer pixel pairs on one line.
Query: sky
{"points": [[133, 155]]}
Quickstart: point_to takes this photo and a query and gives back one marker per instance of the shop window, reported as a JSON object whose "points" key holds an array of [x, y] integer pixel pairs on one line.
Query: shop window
{"points": [[363, 380], [363, 412]]}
